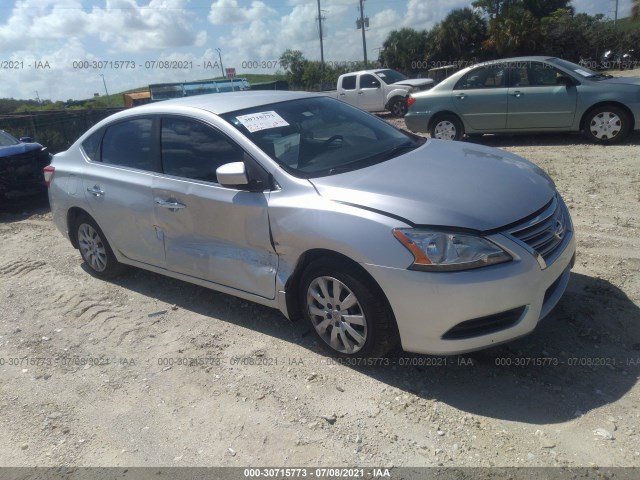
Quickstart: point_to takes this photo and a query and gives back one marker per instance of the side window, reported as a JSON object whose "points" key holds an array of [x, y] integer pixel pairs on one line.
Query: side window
{"points": [[128, 144], [519, 75], [349, 82], [490, 76], [542, 74], [92, 144], [369, 81], [194, 150]]}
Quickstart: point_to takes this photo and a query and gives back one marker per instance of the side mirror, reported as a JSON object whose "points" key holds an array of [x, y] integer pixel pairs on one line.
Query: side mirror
{"points": [[26, 139], [565, 80], [232, 174]]}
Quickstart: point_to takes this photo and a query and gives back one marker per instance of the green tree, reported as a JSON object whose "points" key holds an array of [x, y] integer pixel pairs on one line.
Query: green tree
{"points": [[544, 8], [568, 36], [458, 37], [404, 49], [538, 8], [515, 33], [294, 63]]}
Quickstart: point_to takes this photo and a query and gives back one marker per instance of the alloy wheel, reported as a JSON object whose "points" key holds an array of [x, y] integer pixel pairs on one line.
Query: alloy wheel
{"points": [[92, 247], [336, 315]]}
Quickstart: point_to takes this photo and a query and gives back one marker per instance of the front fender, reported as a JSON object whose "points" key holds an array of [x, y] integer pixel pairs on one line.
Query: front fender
{"points": [[309, 222], [396, 92]]}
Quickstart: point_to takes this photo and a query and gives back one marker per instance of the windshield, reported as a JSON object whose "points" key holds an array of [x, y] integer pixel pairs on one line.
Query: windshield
{"points": [[319, 136], [575, 68], [7, 140], [390, 76]]}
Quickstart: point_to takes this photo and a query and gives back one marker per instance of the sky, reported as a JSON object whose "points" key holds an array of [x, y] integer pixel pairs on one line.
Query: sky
{"points": [[72, 49]]}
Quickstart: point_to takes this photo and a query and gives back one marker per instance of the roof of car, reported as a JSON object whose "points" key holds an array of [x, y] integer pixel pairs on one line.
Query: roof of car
{"points": [[220, 103], [521, 59]]}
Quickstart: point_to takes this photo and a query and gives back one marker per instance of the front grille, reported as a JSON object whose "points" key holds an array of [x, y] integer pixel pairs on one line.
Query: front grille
{"points": [[546, 233]]}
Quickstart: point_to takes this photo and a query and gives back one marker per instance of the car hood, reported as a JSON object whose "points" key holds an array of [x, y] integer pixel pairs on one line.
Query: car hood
{"points": [[622, 80], [445, 183], [415, 82], [18, 149]]}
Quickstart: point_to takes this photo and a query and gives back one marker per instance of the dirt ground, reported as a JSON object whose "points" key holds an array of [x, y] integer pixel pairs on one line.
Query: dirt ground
{"points": [[150, 371]]}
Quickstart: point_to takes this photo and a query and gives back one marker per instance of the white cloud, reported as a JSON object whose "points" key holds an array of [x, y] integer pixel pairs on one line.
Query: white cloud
{"points": [[228, 11], [122, 25], [32, 23], [126, 26]]}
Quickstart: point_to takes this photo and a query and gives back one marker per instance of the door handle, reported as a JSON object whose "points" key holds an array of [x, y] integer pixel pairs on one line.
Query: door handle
{"points": [[343, 94], [171, 204], [95, 191], [461, 96], [517, 93], [360, 93]]}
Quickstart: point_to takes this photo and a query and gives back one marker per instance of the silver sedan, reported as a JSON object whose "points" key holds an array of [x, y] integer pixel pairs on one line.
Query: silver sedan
{"points": [[313, 207]]}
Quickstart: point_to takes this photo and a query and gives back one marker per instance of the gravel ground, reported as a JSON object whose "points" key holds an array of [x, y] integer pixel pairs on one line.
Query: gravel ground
{"points": [[150, 371]]}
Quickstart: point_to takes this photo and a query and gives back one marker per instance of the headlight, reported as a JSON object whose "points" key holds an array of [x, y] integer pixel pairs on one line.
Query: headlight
{"points": [[448, 251]]}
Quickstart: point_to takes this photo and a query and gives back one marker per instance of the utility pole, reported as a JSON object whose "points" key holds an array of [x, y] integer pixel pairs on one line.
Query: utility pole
{"points": [[362, 25], [220, 56], [615, 19], [104, 82], [320, 28]]}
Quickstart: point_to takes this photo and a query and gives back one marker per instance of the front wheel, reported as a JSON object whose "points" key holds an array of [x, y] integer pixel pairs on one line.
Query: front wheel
{"points": [[447, 127], [398, 107], [607, 124], [346, 312], [95, 250]]}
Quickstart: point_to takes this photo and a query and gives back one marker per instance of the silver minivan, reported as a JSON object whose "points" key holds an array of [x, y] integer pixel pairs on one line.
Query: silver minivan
{"points": [[306, 204]]}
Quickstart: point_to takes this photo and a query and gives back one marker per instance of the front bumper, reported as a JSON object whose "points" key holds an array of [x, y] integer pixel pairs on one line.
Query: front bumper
{"points": [[428, 305]]}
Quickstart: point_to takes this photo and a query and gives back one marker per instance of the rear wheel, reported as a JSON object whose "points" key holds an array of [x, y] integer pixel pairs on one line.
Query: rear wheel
{"points": [[95, 250], [347, 312], [447, 127], [607, 124]]}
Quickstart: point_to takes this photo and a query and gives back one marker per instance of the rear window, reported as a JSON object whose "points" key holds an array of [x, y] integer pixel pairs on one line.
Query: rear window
{"points": [[91, 146], [128, 144], [349, 83]]}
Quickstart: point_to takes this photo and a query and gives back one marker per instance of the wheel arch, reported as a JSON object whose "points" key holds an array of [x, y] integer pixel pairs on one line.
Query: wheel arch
{"points": [[72, 215], [292, 285], [614, 103], [436, 116], [393, 99]]}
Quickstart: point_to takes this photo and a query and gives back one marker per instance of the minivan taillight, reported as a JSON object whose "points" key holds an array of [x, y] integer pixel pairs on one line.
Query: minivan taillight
{"points": [[411, 100], [48, 174]]}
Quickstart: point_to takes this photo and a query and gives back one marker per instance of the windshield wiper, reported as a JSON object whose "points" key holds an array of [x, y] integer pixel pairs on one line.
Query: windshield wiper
{"points": [[333, 171], [373, 160], [399, 148]]}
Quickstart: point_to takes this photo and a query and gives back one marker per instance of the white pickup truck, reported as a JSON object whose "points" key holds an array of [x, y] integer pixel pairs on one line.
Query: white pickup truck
{"points": [[378, 90]]}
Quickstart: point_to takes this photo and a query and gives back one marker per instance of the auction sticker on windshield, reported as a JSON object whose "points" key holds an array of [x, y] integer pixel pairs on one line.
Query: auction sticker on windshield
{"points": [[255, 122]]}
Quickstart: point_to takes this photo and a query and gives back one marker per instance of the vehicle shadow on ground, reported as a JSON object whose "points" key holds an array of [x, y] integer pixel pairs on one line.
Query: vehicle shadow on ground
{"points": [[543, 140], [585, 355], [20, 209]]}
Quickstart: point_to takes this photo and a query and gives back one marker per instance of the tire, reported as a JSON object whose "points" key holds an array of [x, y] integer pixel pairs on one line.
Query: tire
{"points": [[363, 327], [95, 249], [607, 125], [447, 127], [398, 107]]}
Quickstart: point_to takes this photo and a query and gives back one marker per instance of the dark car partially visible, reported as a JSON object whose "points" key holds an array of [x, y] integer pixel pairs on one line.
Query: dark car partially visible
{"points": [[21, 164]]}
